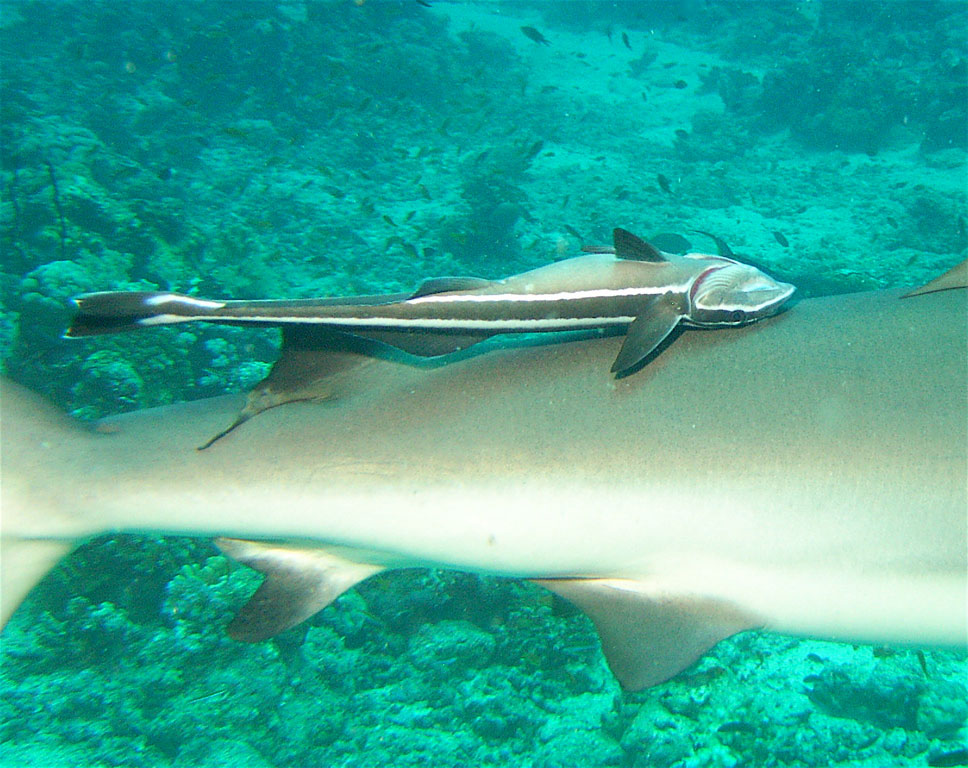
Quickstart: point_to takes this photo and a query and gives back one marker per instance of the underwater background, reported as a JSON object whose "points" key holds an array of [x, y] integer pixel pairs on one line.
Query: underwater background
{"points": [[322, 147]]}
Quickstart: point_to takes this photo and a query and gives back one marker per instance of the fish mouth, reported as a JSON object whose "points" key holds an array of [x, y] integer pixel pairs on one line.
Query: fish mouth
{"points": [[781, 292]]}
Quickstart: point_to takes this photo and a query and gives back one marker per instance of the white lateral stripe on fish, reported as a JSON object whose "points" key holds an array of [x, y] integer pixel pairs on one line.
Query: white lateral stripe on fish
{"points": [[637, 286]]}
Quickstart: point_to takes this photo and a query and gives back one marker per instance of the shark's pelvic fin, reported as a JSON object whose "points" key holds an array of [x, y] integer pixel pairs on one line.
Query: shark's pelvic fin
{"points": [[956, 277], [648, 636], [298, 584]]}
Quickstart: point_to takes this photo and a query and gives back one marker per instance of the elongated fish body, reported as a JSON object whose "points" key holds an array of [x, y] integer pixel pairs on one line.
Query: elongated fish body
{"points": [[806, 475], [636, 287]]}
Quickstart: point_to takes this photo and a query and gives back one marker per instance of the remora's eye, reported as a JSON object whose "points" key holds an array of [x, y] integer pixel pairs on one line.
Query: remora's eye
{"points": [[737, 315]]}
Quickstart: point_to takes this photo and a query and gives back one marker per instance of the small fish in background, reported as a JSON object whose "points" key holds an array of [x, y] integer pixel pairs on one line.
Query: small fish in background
{"points": [[664, 183], [781, 238], [625, 39], [680, 84], [681, 134], [534, 150], [922, 660], [424, 3], [532, 34], [574, 233]]}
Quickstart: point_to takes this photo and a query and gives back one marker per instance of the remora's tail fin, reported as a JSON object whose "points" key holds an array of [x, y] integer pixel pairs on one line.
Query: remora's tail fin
{"points": [[114, 311]]}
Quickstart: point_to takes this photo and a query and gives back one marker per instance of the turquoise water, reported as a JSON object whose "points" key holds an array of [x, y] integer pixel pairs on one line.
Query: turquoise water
{"points": [[257, 149]]}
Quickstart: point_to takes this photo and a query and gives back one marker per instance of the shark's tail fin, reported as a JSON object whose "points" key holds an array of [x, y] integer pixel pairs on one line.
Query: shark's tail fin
{"points": [[37, 440], [114, 311]]}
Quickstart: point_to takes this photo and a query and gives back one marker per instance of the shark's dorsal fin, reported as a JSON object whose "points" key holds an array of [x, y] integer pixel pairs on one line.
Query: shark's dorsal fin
{"points": [[649, 636], [298, 584], [634, 248], [956, 277], [309, 368], [448, 284]]}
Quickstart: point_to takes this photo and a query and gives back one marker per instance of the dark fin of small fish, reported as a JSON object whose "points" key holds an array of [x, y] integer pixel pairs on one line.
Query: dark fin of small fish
{"points": [[781, 238], [448, 284], [628, 246], [298, 584], [660, 317], [956, 277], [423, 344], [664, 183], [117, 311], [722, 247], [648, 638], [309, 368]]}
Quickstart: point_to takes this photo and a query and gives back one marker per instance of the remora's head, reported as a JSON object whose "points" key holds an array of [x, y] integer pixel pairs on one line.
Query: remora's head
{"points": [[735, 294]]}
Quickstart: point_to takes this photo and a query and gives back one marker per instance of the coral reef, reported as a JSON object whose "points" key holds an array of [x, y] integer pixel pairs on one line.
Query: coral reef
{"points": [[256, 150]]}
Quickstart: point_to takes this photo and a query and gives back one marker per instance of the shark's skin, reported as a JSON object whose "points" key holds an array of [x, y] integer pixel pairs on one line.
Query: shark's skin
{"points": [[807, 474]]}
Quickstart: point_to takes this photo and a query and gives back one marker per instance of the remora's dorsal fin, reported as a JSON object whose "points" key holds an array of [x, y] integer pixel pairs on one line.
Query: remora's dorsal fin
{"points": [[648, 636], [448, 284], [298, 584], [661, 314], [309, 368], [956, 277], [634, 248]]}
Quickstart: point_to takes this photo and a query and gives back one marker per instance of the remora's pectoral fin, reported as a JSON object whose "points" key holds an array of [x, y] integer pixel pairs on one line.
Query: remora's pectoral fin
{"points": [[298, 584], [649, 637], [658, 319], [956, 277], [23, 563]]}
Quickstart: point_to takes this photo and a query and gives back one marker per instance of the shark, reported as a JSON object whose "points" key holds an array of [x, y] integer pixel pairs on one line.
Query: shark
{"points": [[806, 475], [631, 284]]}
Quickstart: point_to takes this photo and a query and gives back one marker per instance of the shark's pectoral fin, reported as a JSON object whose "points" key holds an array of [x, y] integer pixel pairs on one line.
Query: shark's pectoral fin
{"points": [[648, 636], [660, 316], [298, 584]]}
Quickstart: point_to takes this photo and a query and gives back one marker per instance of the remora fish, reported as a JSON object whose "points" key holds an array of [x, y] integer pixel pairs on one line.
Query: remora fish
{"points": [[807, 477], [637, 286]]}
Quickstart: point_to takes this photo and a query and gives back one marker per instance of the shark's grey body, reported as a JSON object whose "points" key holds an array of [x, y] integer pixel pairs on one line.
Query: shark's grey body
{"points": [[807, 474]]}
